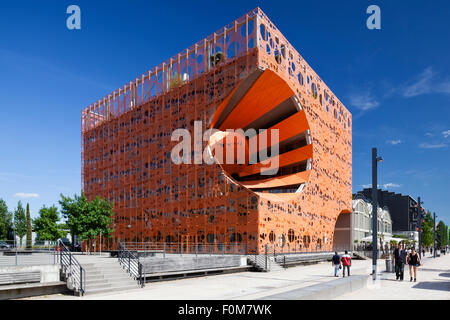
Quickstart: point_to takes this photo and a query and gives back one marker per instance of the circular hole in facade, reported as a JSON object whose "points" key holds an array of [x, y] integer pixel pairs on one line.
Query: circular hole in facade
{"points": [[291, 235], [272, 237], [262, 31], [277, 55]]}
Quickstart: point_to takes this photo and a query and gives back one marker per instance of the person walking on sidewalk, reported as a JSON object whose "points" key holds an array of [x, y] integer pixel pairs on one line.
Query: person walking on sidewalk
{"points": [[413, 262], [336, 263], [400, 260], [346, 263]]}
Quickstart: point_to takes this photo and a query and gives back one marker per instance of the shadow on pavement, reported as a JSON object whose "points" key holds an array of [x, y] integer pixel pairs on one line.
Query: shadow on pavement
{"points": [[445, 274], [435, 285], [432, 270]]}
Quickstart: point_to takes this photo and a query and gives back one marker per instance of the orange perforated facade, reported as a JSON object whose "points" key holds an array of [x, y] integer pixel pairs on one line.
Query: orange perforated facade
{"points": [[246, 75]]}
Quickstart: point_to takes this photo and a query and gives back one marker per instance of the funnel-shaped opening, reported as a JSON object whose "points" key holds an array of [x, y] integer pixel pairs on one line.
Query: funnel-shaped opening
{"points": [[261, 136]]}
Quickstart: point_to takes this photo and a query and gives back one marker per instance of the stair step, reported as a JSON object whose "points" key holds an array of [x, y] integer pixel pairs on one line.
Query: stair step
{"points": [[110, 273], [109, 289], [115, 278], [97, 286], [120, 280]]}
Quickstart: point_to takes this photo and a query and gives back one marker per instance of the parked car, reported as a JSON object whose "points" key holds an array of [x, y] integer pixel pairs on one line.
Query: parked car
{"points": [[66, 242], [4, 245]]}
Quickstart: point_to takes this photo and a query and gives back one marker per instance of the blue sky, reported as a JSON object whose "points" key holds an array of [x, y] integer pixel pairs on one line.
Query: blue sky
{"points": [[395, 81]]}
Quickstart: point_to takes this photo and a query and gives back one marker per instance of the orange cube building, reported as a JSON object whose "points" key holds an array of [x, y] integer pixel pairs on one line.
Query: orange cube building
{"points": [[246, 75]]}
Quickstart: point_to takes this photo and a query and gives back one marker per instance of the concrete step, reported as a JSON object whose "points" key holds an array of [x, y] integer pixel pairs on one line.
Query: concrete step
{"points": [[96, 282], [107, 272], [106, 275], [112, 274], [110, 283], [89, 287], [106, 265], [112, 288], [117, 277], [94, 277]]}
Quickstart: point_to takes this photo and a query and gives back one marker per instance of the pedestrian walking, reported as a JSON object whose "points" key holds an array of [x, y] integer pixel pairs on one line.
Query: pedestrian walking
{"points": [[346, 263], [413, 261], [400, 261], [336, 263]]}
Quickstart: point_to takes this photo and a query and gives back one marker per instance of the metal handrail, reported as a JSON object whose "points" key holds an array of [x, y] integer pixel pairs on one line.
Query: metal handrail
{"points": [[130, 262], [199, 248], [261, 261], [72, 268]]}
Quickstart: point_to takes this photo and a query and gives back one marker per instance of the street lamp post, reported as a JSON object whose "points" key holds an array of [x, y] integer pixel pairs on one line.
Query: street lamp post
{"points": [[375, 160], [434, 234], [419, 216], [15, 242]]}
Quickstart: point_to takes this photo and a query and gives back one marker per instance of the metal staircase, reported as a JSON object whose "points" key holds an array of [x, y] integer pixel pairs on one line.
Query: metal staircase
{"points": [[264, 262], [105, 274]]}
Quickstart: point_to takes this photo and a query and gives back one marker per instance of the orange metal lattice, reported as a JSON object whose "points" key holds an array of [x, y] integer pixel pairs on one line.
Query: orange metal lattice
{"points": [[126, 145]]}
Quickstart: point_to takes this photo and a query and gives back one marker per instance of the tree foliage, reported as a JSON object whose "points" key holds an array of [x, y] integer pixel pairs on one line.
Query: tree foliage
{"points": [[441, 235], [96, 219], [87, 219], [20, 221], [29, 229], [73, 210], [427, 230], [47, 226], [5, 221]]}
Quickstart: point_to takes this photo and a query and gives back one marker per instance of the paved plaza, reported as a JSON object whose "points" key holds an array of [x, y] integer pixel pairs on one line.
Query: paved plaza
{"points": [[433, 282]]}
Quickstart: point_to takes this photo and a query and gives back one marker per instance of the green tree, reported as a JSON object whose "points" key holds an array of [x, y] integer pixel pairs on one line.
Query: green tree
{"points": [[6, 230], [96, 219], [73, 210], [427, 230], [29, 230], [441, 234], [20, 221], [47, 226]]}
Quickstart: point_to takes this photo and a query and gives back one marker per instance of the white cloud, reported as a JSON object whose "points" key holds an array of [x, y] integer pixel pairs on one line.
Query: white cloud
{"points": [[394, 142], [385, 186], [446, 133], [421, 85], [432, 146], [26, 195], [391, 185], [363, 101], [426, 83]]}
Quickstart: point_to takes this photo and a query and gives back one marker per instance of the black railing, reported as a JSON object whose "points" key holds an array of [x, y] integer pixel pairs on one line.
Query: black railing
{"points": [[232, 248], [130, 262], [261, 262], [186, 248], [72, 268]]}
